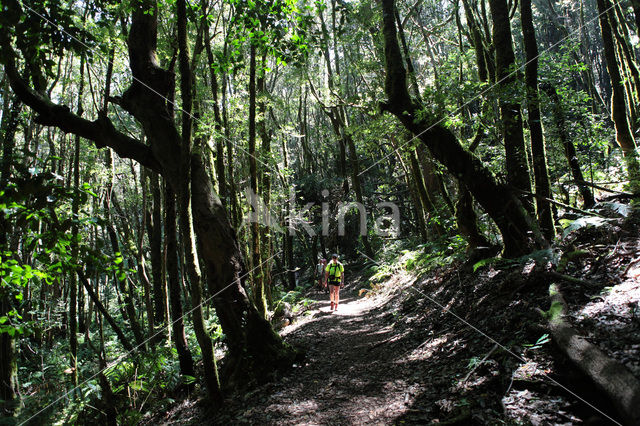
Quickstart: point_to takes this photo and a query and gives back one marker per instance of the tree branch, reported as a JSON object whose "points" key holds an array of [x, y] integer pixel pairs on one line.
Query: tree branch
{"points": [[101, 131]]}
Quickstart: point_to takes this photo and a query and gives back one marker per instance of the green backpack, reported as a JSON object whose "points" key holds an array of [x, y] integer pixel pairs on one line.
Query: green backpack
{"points": [[334, 279]]}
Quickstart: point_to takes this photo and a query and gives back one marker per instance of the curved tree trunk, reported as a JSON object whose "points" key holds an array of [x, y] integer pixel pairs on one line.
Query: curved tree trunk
{"points": [[498, 200], [253, 345]]}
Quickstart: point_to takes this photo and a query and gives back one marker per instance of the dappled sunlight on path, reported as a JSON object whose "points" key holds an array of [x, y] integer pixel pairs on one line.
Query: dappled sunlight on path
{"points": [[350, 374]]}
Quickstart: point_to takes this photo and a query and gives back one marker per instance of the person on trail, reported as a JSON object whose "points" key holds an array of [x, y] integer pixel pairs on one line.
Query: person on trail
{"points": [[334, 275], [320, 274]]}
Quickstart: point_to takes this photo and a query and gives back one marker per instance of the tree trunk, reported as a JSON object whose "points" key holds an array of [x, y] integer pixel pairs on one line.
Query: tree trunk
{"points": [[155, 241], [255, 350], [8, 365], [333, 111], [105, 313], [266, 242], [192, 264], [257, 286], [543, 190], [627, 58], [287, 238], [569, 148], [355, 178], [516, 153], [412, 186], [129, 311], [75, 208], [218, 126], [497, 200], [427, 204], [175, 301], [611, 377], [141, 261], [624, 136]]}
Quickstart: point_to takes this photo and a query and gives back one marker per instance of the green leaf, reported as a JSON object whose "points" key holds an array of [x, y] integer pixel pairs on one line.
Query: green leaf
{"points": [[484, 262]]}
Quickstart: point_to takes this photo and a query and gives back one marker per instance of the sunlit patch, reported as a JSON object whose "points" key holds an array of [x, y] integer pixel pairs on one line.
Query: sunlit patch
{"points": [[634, 270], [428, 348]]}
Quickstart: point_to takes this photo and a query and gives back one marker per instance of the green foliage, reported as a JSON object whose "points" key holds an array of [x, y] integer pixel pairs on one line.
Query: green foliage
{"points": [[277, 28], [582, 223], [295, 298], [540, 257], [543, 340]]}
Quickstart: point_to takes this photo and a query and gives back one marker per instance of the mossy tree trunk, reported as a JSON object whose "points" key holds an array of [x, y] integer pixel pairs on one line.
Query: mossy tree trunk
{"points": [[185, 207], [568, 147], [510, 116], [541, 175], [8, 367], [498, 200], [624, 135], [175, 300], [255, 350]]}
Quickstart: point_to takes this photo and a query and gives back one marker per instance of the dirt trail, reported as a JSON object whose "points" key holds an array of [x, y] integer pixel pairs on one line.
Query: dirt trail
{"points": [[399, 358], [346, 377]]}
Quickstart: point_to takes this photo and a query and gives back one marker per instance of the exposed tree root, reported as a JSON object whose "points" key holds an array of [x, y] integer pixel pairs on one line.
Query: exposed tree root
{"points": [[620, 386]]}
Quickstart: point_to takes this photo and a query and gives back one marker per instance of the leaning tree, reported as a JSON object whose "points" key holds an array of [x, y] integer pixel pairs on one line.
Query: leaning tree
{"points": [[254, 349]]}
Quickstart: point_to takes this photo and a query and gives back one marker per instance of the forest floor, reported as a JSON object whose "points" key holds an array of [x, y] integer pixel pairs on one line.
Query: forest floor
{"points": [[420, 349]]}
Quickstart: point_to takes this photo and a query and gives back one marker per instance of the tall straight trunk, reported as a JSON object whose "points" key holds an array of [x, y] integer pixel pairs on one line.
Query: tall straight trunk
{"points": [[466, 217], [339, 121], [499, 201], [433, 181], [127, 307], [624, 136], [357, 186], [218, 125], [541, 175], [8, 363], [477, 41], [627, 56], [233, 193], [287, 238], [410, 69], [569, 148], [188, 232], [427, 204], [516, 153], [141, 261], [332, 112], [412, 186], [175, 301], [75, 208], [256, 264], [155, 240], [309, 165], [587, 76], [265, 190]]}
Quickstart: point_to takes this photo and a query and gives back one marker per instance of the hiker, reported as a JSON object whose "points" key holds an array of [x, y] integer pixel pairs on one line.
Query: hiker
{"points": [[320, 274], [334, 275]]}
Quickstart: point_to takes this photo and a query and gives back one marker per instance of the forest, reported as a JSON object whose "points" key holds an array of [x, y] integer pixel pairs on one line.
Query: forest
{"points": [[174, 171]]}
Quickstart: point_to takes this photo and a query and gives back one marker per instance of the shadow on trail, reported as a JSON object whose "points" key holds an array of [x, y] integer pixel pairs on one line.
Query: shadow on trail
{"points": [[357, 370]]}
